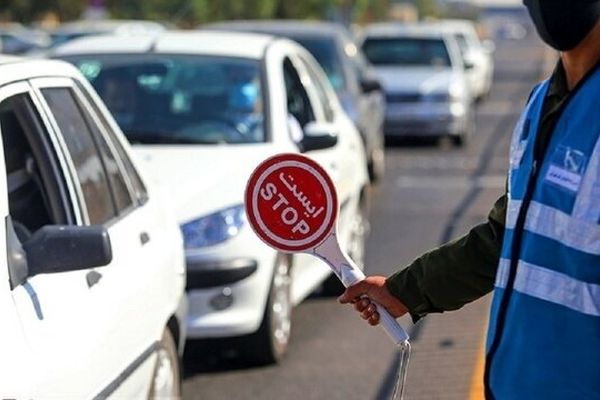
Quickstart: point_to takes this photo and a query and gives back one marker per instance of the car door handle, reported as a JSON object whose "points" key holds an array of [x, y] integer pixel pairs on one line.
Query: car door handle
{"points": [[92, 278], [144, 238]]}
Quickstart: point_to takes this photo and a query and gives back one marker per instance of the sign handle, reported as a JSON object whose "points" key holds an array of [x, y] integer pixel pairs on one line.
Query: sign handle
{"points": [[349, 274]]}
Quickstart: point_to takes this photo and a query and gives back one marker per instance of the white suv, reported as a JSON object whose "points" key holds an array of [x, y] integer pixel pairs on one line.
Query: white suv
{"points": [[92, 280]]}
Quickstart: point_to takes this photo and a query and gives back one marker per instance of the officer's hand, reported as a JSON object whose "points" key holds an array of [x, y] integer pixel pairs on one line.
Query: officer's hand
{"points": [[372, 288]]}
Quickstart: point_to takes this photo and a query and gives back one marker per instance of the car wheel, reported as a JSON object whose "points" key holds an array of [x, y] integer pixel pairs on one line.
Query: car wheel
{"points": [[377, 165], [360, 231], [458, 140], [356, 248], [269, 344], [166, 381], [461, 139]]}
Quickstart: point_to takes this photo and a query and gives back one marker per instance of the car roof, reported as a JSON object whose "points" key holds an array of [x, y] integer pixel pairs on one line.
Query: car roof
{"points": [[244, 45], [278, 27], [107, 26], [5, 59], [391, 29], [455, 25], [14, 69]]}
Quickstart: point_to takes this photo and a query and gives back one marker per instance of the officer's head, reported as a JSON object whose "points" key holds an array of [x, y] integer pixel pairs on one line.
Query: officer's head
{"points": [[563, 24]]}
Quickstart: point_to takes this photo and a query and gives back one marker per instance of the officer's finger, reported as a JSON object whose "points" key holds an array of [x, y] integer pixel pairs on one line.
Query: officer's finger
{"points": [[354, 292], [368, 312], [374, 320], [361, 305]]}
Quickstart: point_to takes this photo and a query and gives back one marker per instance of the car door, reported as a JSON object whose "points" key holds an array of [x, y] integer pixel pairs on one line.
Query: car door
{"points": [[348, 156], [53, 309], [345, 158], [137, 278], [305, 105]]}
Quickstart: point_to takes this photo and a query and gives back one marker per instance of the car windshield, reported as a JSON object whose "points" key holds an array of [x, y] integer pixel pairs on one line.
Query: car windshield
{"points": [[324, 50], [170, 99], [407, 52]]}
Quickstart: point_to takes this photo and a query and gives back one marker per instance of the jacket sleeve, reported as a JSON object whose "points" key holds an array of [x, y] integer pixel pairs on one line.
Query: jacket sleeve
{"points": [[456, 273]]}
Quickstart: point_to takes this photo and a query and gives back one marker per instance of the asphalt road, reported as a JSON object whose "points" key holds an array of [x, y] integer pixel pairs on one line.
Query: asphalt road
{"points": [[431, 192]]}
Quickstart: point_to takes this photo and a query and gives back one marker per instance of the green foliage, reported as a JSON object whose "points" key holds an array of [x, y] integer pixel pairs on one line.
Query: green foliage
{"points": [[193, 12], [28, 10], [427, 8]]}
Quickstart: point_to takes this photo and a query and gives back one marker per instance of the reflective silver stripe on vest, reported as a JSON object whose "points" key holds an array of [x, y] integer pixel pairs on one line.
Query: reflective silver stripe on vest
{"points": [[502, 273], [512, 213], [552, 286], [579, 234], [587, 204]]}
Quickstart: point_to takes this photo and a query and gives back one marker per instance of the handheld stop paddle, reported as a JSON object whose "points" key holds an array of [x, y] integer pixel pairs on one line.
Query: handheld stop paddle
{"points": [[292, 205]]}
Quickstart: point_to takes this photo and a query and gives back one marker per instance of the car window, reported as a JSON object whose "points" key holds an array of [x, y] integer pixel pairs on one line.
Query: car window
{"points": [[139, 189], [463, 43], [36, 191], [120, 190], [325, 51], [88, 163], [298, 102], [407, 51], [180, 99], [322, 93], [117, 180]]}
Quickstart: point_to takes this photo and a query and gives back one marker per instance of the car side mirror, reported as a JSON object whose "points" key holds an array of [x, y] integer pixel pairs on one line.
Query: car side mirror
{"points": [[318, 136], [368, 85], [56, 248]]}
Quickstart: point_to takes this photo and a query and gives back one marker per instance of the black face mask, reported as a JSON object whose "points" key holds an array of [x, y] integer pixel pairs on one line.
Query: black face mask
{"points": [[563, 24]]}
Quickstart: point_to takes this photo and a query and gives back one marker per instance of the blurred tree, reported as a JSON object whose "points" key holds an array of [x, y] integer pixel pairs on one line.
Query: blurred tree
{"points": [[427, 8], [192, 12], [371, 10], [28, 10]]}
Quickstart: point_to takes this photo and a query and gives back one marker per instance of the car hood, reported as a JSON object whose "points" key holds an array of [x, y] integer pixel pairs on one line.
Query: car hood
{"points": [[199, 180], [415, 80]]}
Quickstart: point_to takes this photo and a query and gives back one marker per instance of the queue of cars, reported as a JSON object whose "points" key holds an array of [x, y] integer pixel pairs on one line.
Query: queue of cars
{"points": [[125, 173], [432, 75], [202, 109], [349, 73]]}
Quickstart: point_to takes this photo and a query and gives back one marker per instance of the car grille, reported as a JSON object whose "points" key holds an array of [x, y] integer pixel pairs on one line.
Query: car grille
{"points": [[403, 97]]}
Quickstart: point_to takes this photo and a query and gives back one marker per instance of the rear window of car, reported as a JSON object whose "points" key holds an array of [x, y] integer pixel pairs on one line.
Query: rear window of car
{"points": [[407, 51]]}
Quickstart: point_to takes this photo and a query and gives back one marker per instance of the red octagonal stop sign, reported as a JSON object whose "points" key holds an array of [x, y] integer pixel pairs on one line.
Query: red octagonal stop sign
{"points": [[291, 202]]}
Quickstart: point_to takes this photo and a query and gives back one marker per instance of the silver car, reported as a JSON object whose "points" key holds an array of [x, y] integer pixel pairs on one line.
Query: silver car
{"points": [[422, 73]]}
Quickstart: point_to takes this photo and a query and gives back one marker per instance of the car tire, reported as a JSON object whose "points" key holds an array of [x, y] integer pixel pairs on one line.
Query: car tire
{"points": [[166, 380], [357, 248], [269, 344], [461, 139], [360, 231], [376, 164]]}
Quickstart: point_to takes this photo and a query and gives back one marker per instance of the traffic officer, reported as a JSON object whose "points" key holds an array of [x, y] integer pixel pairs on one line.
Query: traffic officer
{"points": [[541, 243]]}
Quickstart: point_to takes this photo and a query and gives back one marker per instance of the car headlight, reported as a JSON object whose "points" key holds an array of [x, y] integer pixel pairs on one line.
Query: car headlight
{"points": [[214, 228]]}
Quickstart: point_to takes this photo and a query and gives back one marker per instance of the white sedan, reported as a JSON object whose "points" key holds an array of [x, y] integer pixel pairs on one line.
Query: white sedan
{"points": [[92, 276], [477, 55], [202, 109]]}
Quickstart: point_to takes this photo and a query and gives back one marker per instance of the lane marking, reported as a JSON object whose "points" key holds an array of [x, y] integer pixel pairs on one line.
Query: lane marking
{"points": [[451, 182], [477, 388]]}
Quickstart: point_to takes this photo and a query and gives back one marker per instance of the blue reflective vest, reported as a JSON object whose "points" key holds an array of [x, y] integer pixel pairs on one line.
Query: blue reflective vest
{"points": [[544, 334]]}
